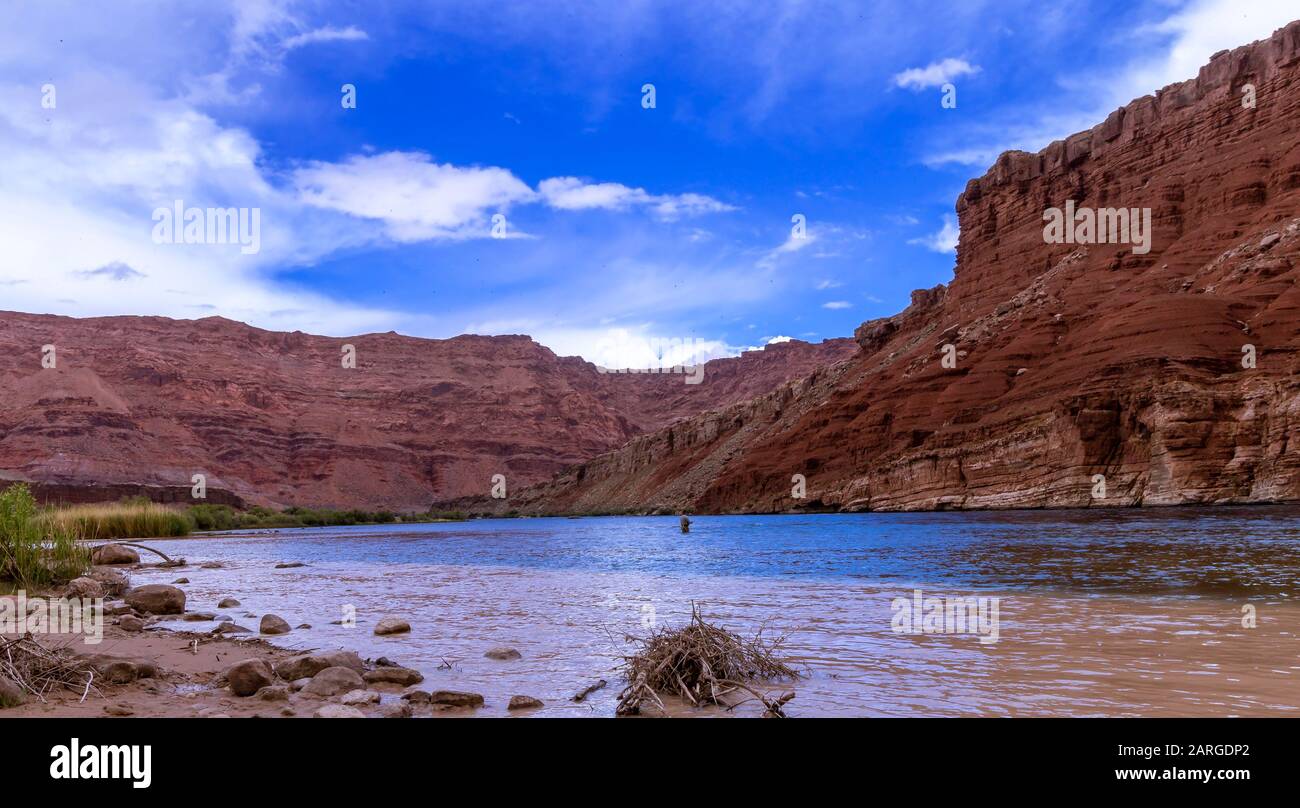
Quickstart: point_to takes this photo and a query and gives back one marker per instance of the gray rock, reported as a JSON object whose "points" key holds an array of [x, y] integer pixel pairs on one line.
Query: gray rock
{"points": [[504, 654], [113, 581], [84, 589], [179, 581], [274, 624], [359, 698], [114, 554], [299, 684], [394, 676], [231, 628], [339, 711], [524, 703], [392, 625], [397, 709], [274, 693], [289, 565], [130, 623], [455, 698], [249, 676], [308, 665], [156, 599], [11, 695], [198, 617], [416, 696], [333, 681], [227, 603]]}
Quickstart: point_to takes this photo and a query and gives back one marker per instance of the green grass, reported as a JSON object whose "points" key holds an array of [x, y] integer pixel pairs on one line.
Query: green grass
{"points": [[223, 517], [36, 551], [130, 519]]}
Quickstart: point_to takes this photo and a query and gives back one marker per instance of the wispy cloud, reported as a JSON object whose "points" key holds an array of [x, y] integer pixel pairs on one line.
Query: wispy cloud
{"points": [[934, 74], [944, 240], [572, 193], [326, 34], [837, 304]]}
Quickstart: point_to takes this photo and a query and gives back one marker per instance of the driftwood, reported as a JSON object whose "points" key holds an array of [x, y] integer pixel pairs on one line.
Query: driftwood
{"points": [[167, 562], [40, 670], [589, 690], [701, 664]]}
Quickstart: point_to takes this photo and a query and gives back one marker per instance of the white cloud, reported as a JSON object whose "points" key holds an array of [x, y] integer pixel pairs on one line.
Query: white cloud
{"points": [[326, 34], [942, 241], [828, 284], [837, 304], [778, 339], [934, 74], [416, 198], [572, 193]]}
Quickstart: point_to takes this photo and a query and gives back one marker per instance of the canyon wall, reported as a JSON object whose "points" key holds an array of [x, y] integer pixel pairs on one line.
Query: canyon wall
{"points": [[138, 405], [1085, 375]]}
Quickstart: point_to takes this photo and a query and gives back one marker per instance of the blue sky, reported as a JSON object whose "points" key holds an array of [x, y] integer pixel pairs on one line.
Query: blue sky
{"points": [[623, 222]]}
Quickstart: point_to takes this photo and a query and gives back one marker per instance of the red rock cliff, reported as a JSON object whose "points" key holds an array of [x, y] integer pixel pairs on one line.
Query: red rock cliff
{"points": [[137, 405], [1072, 360]]}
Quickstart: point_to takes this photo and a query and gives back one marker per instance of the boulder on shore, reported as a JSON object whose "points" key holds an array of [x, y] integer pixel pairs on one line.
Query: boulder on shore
{"points": [[113, 581], [84, 589], [249, 676], [333, 681], [305, 666], [339, 711], [156, 599], [274, 624], [358, 698], [114, 554], [11, 695]]}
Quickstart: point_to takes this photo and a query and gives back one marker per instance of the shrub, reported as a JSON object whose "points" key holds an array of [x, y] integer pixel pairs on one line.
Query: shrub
{"points": [[34, 550]]}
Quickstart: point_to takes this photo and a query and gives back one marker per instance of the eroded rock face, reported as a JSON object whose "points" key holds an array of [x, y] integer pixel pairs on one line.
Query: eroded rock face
{"points": [[1071, 360], [131, 411]]}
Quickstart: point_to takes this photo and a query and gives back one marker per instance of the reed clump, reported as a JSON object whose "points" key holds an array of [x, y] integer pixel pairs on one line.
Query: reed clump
{"points": [[703, 664], [35, 552], [128, 519]]}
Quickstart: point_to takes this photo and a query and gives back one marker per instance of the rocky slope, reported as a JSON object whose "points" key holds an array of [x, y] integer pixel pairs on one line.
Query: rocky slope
{"points": [[140, 404], [1072, 360]]}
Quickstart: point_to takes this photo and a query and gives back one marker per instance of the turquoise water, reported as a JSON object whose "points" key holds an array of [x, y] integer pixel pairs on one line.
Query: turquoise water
{"points": [[1101, 613]]}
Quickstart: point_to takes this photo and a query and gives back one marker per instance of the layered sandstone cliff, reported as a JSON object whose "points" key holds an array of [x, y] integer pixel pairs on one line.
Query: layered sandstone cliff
{"points": [[138, 405], [1072, 360]]}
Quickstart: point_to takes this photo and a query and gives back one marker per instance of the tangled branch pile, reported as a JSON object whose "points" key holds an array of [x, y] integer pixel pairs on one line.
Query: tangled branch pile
{"points": [[702, 664], [40, 670]]}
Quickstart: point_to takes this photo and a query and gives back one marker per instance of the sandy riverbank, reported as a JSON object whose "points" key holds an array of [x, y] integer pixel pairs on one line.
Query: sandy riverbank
{"points": [[150, 665]]}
